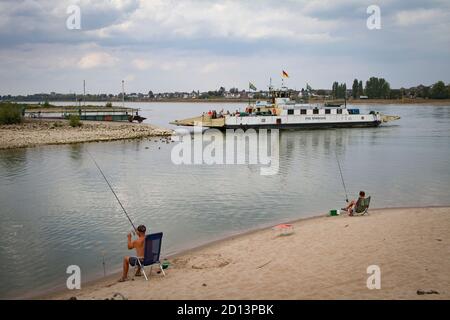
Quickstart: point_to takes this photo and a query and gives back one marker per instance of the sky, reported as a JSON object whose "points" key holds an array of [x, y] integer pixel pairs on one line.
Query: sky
{"points": [[165, 45]]}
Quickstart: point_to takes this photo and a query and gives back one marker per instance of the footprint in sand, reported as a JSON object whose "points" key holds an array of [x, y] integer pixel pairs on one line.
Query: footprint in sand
{"points": [[202, 261]]}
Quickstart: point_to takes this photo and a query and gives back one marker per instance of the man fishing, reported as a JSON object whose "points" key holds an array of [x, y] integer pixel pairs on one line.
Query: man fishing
{"points": [[351, 205], [138, 245]]}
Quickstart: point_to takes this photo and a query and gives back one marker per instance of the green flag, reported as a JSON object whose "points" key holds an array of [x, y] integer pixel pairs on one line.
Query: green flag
{"points": [[251, 86]]}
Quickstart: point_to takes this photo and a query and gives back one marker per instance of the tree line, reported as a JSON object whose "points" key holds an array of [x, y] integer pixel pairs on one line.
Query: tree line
{"points": [[379, 88]]}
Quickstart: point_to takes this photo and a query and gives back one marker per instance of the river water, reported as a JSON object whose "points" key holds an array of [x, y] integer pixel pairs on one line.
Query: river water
{"points": [[56, 209]]}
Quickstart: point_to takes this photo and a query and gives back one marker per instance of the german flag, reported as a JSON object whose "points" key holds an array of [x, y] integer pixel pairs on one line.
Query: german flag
{"points": [[285, 74]]}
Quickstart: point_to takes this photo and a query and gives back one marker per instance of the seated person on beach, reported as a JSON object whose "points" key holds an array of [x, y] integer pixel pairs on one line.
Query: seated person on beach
{"points": [[351, 205], [138, 245]]}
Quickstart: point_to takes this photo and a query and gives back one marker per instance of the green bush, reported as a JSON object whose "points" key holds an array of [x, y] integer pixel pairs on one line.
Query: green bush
{"points": [[108, 105], [10, 113], [74, 121]]}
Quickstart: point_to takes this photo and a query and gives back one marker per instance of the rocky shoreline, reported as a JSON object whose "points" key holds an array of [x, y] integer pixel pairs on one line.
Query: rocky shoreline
{"points": [[33, 133]]}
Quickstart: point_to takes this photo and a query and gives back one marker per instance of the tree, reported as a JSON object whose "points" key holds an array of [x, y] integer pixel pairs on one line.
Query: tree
{"points": [[425, 92], [377, 88], [355, 89], [339, 90], [360, 88], [439, 90], [334, 89], [395, 94]]}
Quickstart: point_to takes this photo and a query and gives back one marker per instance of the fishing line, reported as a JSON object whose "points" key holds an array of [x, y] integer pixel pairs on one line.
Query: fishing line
{"points": [[109, 185], [342, 177]]}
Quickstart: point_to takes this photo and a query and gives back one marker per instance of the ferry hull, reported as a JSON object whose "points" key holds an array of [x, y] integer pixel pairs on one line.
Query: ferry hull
{"points": [[300, 126]]}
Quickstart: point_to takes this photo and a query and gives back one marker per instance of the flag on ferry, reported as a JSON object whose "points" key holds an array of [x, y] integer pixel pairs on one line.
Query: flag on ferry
{"points": [[285, 74], [251, 86]]}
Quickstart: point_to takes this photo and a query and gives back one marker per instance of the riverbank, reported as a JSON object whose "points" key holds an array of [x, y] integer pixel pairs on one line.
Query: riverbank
{"points": [[117, 104], [33, 132], [325, 258], [406, 101]]}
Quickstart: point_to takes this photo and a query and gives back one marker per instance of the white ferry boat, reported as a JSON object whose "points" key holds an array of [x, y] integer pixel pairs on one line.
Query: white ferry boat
{"points": [[283, 113]]}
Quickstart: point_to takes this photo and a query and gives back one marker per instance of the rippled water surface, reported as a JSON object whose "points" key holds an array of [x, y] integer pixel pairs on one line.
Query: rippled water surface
{"points": [[56, 209]]}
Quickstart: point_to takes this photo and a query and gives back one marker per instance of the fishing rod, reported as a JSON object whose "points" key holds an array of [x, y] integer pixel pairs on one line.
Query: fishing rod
{"points": [[109, 185], [342, 177]]}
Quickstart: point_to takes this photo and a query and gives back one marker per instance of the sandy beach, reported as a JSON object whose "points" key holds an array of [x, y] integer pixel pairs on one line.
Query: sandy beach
{"points": [[325, 258], [33, 133]]}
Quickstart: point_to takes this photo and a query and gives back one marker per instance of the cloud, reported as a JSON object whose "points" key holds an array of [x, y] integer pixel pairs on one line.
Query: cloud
{"points": [[142, 64], [172, 65], [158, 20], [420, 17], [130, 77], [97, 59], [199, 44], [209, 67]]}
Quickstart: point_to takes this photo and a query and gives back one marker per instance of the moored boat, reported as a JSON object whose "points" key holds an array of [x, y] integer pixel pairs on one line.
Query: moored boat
{"points": [[283, 113]]}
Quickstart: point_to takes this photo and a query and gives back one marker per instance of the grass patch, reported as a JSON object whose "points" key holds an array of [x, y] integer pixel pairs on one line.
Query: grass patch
{"points": [[10, 113]]}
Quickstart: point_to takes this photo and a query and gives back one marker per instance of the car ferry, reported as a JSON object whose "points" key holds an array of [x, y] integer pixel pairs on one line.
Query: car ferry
{"points": [[283, 113]]}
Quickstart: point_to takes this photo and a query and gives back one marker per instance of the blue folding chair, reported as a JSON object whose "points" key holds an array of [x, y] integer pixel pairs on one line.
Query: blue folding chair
{"points": [[361, 207], [152, 251]]}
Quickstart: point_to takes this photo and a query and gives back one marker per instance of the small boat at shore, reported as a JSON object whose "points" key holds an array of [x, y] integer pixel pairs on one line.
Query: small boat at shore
{"points": [[280, 112]]}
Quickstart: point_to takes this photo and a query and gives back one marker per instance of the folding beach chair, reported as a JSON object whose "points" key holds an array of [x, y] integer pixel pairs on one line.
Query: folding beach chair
{"points": [[361, 206], [152, 250]]}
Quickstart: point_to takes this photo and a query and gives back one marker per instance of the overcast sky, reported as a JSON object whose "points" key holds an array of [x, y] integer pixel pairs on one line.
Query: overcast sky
{"points": [[164, 45]]}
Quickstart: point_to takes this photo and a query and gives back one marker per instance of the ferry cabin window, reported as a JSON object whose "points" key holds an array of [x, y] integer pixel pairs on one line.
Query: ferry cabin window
{"points": [[327, 111], [290, 111], [353, 111], [339, 111], [316, 111], [302, 111]]}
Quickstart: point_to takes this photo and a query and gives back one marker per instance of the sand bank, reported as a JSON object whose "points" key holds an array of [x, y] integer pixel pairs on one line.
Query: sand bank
{"points": [[325, 258], [41, 132]]}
